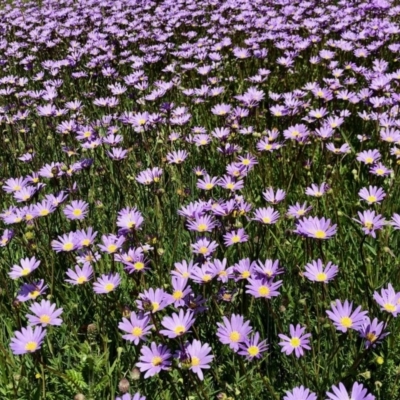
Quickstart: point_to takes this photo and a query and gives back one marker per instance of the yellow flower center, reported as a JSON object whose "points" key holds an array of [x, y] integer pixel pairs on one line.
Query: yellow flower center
{"points": [[136, 331], [245, 274], [369, 160], [318, 115], [87, 134], [179, 330], [371, 337], [202, 227], [295, 342], [253, 351], [31, 346], [266, 220], [230, 186], [81, 279], [368, 224], [371, 199], [203, 250], [209, 186], [321, 277], [300, 212], [346, 322], [44, 212], [155, 306], [195, 361], [235, 239], [85, 242], [389, 307], [319, 234], [108, 287], [77, 212], [380, 171], [25, 271], [234, 336], [68, 246], [16, 188], [142, 121], [246, 162], [263, 291], [268, 146], [156, 361], [206, 278], [138, 265], [34, 294], [45, 319], [112, 248], [28, 217], [177, 295]]}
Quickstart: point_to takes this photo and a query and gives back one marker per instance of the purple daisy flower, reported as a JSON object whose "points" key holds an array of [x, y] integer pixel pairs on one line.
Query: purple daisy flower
{"points": [[111, 243], [196, 357], [344, 318], [253, 348], [272, 197], [234, 331], [372, 194], [300, 393], [316, 228], [204, 246], [297, 342], [177, 324], [27, 265], [80, 275], [263, 288], [45, 314], [234, 237], [370, 222], [388, 299], [153, 359], [317, 191], [78, 209], [137, 327], [373, 332], [30, 291], [358, 392], [66, 242], [395, 222], [180, 291], [267, 216], [317, 272], [369, 156], [298, 210], [28, 340], [152, 300], [107, 283]]}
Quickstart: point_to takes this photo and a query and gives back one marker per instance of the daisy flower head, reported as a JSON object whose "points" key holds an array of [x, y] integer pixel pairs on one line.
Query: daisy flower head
{"points": [[44, 314], [178, 324], [234, 237], [27, 265], [370, 222], [204, 246], [263, 288], [298, 210], [268, 269], [196, 356], [154, 359], [177, 157], [373, 332], [137, 327], [316, 228], [107, 283], [317, 272], [297, 342], [28, 340], [344, 318], [233, 331], [66, 242], [80, 275], [388, 299], [300, 393], [111, 243], [253, 348], [153, 300], [395, 222], [180, 290], [358, 392], [267, 216], [78, 209], [369, 156], [380, 170], [372, 194], [30, 291], [274, 197], [317, 191]]}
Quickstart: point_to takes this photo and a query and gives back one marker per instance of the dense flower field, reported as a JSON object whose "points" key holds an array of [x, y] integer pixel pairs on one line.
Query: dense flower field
{"points": [[199, 199]]}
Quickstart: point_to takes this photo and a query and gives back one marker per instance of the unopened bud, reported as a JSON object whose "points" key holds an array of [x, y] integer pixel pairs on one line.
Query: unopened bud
{"points": [[123, 385]]}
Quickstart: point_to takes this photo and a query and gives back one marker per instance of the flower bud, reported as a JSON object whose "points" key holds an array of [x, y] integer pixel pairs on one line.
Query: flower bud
{"points": [[123, 385]]}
